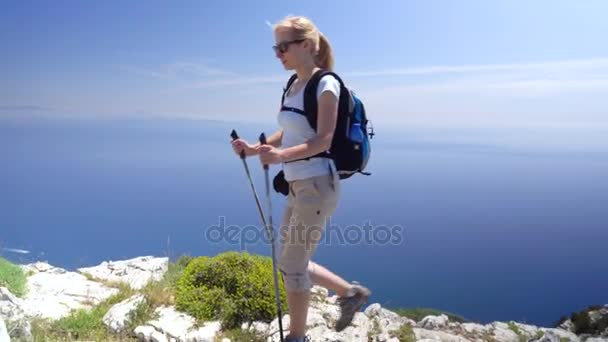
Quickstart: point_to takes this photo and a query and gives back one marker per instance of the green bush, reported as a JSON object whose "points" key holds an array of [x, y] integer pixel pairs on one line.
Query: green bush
{"points": [[232, 287], [12, 277], [583, 325]]}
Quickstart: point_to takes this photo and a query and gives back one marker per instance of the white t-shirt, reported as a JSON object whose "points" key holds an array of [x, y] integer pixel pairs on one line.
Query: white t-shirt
{"points": [[297, 130]]}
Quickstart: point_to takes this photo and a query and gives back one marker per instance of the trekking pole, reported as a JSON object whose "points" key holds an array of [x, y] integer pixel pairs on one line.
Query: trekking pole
{"points": [[270, 232], [235, 136]]}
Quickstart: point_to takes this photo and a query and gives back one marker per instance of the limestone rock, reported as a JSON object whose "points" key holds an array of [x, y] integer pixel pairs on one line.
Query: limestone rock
{"points": [[117, 317], [3, 332], [136, 272], [54, 292], [433, 322]]}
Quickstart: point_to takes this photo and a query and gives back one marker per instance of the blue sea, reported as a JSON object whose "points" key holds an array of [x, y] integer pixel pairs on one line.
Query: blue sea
{"points": [[488, 222]]}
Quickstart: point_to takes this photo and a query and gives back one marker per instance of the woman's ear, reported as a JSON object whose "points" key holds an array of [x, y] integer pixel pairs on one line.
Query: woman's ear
{"points": [[308, 46]]}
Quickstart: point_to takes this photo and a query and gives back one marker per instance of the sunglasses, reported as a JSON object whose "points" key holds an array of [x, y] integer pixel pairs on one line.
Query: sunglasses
{"points": [[284, 46]]}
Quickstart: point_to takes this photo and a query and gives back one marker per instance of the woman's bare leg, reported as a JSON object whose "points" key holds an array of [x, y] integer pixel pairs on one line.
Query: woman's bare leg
{"points": [[298, 310], [320, 275], [299, 301]]}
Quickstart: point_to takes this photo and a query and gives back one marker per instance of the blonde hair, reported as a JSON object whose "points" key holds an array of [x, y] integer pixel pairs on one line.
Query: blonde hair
{"points": [[304, 28]]}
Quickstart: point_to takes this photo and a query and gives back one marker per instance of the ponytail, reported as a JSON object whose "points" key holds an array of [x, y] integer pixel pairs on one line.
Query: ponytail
{"points": [[325, 56]]}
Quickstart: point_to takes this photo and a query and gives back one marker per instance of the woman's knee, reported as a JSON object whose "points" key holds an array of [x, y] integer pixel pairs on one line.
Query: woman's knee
{"points": [[295, 273]]}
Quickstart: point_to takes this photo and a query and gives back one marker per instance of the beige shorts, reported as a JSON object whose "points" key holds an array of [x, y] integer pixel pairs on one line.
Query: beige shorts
{"points": [[310, 203]]}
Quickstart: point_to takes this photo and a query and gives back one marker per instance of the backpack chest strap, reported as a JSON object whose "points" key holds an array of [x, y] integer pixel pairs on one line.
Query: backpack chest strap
{"points": [[292, 109]]}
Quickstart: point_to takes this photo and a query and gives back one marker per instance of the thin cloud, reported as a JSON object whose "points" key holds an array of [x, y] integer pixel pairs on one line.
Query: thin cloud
{"points": [[240, 81], [198, 69], [596, 70], [144, 72], [486, 68], [27, 108], [529, 80], [179, 70]]}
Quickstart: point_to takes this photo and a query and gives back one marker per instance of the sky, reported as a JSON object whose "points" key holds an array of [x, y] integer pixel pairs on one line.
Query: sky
{"points": [[412, 62]]}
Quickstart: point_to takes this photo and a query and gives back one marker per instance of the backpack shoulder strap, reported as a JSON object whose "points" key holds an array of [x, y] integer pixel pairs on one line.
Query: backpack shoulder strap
{"points": [[287, 86], [310, 95]]}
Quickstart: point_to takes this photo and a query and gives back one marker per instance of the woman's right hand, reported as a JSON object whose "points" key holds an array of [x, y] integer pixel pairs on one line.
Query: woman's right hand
{"points": [[239, 145]]}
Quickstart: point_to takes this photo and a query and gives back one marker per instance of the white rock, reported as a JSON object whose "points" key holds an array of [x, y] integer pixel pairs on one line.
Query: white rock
{"points": [[360, 320], [3, 332], [548, 337], [54, 292], [328, 311], [273, 328], [144, 332], [178, 326], [381, 337], [172, 323], [118, 316], [41, 266], [529, 331], [376, 310], [557, 335], [157, 336], [319, 330], [567, 325], [136, 272], [259, 327], [502, 333], [562, 335], [11, 306], [324, 334], [319, 292], [354, 333], [433, 322], [206, 333], [437, 335], [11, 310], [597, 339], [321, 334], [315, 318], [475, 328], [384, 319]]}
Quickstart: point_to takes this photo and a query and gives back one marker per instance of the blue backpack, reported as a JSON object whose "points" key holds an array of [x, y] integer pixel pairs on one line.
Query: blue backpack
{"points": [[350, 147]]}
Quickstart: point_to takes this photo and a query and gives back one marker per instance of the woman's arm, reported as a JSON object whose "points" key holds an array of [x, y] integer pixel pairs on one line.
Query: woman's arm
{"points": [[275, 139], [326, 124]]}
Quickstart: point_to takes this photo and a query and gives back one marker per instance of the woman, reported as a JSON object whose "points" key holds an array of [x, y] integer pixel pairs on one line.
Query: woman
{"points": [[314, 184]]}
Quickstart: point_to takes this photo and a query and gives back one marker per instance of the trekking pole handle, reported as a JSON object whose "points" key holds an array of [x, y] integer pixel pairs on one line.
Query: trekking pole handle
{"points": [[235, 136], [263, 142]]}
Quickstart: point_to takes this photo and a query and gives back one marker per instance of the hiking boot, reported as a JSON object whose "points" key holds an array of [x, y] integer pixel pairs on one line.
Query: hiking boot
{"points": [[351, 303], [297, 339]]}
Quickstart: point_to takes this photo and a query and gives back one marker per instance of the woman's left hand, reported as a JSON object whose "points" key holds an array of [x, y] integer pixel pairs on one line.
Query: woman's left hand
{"points": [[270, 154]]}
